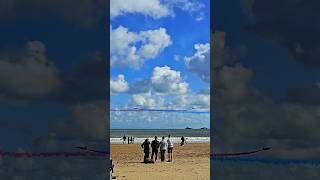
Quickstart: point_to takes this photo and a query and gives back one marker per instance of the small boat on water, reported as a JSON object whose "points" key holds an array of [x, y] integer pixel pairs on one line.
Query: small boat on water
{"points": [[188, 128], [204, 128]]}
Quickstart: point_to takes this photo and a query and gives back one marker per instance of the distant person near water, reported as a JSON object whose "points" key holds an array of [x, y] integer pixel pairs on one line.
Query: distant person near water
{"points": [[124, 139], [146, 149], [131, 140], [155, 148], [170, 149], [182, 141], [163, 148], [128, 140]]}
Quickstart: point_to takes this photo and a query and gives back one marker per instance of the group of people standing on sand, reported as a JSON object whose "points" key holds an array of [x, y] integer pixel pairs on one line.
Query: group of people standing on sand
{"points": [[130, 140], [155, 146]]}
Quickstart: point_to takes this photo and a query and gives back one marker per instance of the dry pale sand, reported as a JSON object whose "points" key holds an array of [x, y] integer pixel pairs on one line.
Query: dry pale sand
{"points": [[190, 162]]}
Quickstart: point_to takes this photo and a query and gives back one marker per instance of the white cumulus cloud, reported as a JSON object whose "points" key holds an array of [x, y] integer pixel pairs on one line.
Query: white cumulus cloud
{"points": [[192, 100], [132, 49], [166, 80], [152, 8], [119, 84], [147, 100], [155, 9], [199, 63]]}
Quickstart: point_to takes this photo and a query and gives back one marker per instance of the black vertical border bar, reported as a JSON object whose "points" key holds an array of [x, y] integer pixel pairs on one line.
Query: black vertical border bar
{"points": [[107, 109], [211, 86]]}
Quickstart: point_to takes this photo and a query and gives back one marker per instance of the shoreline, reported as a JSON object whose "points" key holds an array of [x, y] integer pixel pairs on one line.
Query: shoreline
{"points": [[176, 140]]}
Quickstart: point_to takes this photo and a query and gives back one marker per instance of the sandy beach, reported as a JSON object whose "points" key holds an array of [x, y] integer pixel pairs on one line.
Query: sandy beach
{"points": [[191, 162]]}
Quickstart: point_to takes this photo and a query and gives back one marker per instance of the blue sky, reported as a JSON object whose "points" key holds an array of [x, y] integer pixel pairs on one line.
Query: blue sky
{"points": [[185, 24]]}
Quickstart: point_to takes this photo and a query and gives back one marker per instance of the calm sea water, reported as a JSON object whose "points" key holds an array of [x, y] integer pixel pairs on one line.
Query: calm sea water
{"points": [[192, 135]]}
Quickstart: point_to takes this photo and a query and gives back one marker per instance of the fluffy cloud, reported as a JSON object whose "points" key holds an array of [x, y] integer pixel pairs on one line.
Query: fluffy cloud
{"points": [[232, 82], [158, 120], [199, 63], [185, 5], [223, 54], [88, 121], [166, 80], [29, 74], [84, 13], [147, 100], [161, 119], [192, 100], [133, 49], [247, 118], [153, 8], [292, 24], [119, 84], [183, 101]]}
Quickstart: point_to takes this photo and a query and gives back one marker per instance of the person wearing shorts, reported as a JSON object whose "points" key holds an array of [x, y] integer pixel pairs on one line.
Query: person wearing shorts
{"points": [[170, 149]]}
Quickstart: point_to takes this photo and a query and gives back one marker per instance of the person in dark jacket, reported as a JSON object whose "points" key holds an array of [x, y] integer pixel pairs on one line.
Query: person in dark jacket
{"points": [[182, 141], [155, 148], [146, 149]]}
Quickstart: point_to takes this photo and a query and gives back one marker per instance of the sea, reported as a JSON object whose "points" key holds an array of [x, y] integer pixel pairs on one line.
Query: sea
{"points": [[191, 135]]}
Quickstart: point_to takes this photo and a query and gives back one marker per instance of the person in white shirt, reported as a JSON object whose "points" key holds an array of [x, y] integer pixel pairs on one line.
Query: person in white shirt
{"points": [[170, 149], [163, 148]]}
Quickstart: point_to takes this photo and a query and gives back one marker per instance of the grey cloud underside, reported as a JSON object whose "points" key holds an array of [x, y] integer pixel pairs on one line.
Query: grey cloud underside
{"points": [[28, 74], [305, 94], [244, 117], [225, 55], [199, 63], [85, 83], [291, 24], [140, 86], [78, 12], [88, 121]]}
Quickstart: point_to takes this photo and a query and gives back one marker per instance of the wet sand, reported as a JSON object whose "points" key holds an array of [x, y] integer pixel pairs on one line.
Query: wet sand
{"points": [[190, 162]]}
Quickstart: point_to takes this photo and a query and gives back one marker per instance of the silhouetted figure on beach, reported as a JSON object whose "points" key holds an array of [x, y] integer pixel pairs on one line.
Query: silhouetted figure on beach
{"points": [[182, 141], [131, 140], [124, 139], [155, 148], [170, 149], [146, 149], [128, 140], [163, 148]]}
